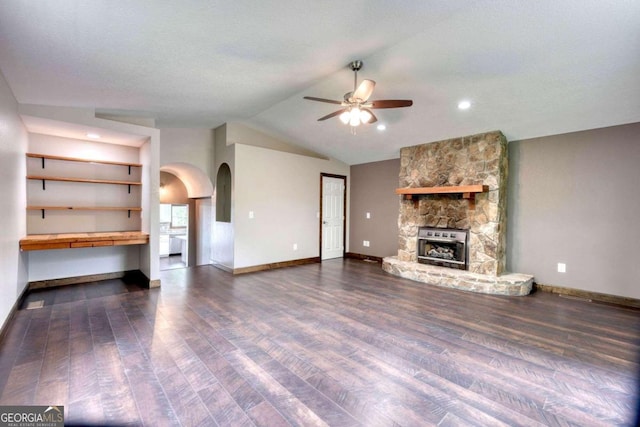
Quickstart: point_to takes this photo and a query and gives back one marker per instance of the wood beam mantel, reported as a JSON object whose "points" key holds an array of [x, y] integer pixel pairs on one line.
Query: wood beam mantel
{"points": [[467, 191]]}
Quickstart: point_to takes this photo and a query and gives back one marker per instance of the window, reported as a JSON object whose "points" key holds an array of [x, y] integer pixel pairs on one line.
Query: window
{"points": [[165, 212], [179, 216]]}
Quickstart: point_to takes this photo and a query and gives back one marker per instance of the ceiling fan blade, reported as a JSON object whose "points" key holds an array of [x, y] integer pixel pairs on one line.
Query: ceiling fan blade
{"points": [[335, 113], [391, 103], [373, 116], [364, 90], [328, 101]]}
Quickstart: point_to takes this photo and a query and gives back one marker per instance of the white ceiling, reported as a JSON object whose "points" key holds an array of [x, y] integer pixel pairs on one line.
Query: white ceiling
{"points": [[530, 68]]}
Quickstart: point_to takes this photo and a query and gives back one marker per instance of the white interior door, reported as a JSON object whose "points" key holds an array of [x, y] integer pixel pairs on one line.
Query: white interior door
{"points": [[332, 217]]}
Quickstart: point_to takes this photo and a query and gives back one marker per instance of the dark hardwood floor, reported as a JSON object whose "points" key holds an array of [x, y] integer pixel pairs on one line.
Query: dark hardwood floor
{"points": [[339, 343]]}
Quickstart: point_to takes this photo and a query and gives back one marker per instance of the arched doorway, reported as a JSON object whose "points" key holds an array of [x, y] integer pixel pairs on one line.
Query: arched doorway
{"points": [[174, 223], [187, 191]]}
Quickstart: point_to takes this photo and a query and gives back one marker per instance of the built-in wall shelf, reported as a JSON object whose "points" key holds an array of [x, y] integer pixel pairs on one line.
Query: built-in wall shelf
{"points": [[76, 159], [82, 240], [467, 191], [85, 180], [71, 184], [83, 208]]}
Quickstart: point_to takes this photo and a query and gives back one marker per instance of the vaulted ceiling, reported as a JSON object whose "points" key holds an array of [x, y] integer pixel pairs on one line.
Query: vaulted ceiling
{"points": [[529, 68]]}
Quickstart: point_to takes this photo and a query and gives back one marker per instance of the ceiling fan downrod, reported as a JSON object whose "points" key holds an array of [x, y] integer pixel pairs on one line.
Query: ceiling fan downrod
{"points": [[355, 67]]}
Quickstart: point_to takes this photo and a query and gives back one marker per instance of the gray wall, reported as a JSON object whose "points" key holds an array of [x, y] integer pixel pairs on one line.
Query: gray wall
{"points": [[573, 199], [373, 190]]}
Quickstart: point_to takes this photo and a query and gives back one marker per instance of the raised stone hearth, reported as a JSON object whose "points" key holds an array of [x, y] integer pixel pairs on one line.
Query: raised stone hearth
{"points": [[472, 160], [512, 284]]}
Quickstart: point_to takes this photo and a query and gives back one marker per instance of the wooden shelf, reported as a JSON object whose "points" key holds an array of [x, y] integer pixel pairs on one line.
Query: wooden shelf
{"points": [[83, 208], [467, 191], [76, 159], [85, 180], [83, 240]]}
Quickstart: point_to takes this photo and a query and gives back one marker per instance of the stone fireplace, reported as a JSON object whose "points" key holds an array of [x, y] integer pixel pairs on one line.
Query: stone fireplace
{"points": [[436, 179]]}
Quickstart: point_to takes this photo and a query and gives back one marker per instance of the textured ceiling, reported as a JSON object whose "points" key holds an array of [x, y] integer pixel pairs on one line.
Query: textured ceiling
{"points": [[529, 68]]}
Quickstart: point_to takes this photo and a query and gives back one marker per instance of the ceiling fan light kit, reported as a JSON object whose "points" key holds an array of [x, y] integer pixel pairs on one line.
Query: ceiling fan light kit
{"points": [[357, 107], [355, 116]]}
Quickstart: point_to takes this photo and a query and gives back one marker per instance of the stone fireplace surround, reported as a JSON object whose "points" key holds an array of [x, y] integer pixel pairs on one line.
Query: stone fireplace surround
{"points": [[472, 160]]}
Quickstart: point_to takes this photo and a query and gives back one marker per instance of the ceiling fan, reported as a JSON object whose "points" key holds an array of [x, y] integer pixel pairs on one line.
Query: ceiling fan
{"points": [[357, 107]]}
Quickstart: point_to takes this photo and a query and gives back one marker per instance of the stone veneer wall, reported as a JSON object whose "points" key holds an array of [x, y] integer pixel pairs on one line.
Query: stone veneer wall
{"points": [[475, 159]]}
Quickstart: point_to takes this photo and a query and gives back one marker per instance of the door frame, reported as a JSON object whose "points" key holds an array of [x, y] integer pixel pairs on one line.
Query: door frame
{"points": [[344, 212]]}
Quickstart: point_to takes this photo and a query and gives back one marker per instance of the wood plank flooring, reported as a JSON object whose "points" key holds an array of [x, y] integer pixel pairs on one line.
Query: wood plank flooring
{"points": [[339, 343]]}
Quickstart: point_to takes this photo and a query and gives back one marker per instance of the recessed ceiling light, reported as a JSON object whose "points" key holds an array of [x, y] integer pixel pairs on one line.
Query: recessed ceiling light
{"points": [[93, 135], [464, 105], [381, 127]]}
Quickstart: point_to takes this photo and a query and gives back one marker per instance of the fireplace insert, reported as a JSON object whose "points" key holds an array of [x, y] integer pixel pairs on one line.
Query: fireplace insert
{"points": [[446, 247]]}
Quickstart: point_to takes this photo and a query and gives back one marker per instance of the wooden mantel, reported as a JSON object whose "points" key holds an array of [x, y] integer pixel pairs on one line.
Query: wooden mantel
{"points": [[467, 191]]}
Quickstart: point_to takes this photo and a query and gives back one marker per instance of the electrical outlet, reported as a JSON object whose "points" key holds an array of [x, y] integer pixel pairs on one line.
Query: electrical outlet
{"points": [[295, 246], [250, 214], [562, 267], [365, 243]]}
